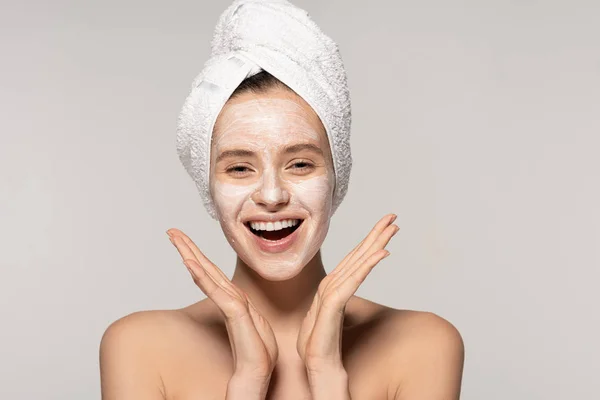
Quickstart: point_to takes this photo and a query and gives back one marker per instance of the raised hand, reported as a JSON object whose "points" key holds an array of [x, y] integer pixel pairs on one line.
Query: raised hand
{"points": [[319, 340], [252, 340]]}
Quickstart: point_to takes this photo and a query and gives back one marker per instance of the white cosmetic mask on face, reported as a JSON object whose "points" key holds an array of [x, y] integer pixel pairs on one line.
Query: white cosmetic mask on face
{"points": [[266, 127]]}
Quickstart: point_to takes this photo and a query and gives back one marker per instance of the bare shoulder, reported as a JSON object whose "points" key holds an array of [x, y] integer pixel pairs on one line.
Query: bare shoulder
{"points": [[128, 350], [150, 328], [158, 328], [424, 336], [161, 346], [420, 346], [409, 329]]}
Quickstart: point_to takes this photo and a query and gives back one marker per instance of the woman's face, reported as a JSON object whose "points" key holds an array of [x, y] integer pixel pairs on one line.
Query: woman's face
{"points": [[272, 181]]}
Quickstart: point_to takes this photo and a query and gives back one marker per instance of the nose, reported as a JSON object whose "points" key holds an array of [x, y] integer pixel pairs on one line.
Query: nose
{"points": [[271, 194]]}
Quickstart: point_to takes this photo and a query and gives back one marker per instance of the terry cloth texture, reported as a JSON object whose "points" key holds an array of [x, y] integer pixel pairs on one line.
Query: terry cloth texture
{"points": [[282, 39]]}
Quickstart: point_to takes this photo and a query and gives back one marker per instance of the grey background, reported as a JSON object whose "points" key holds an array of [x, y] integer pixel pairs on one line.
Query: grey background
{"points": [[476, 122]]}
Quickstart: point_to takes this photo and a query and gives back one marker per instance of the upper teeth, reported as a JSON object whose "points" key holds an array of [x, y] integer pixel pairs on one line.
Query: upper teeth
{"points": [[273, 226]]}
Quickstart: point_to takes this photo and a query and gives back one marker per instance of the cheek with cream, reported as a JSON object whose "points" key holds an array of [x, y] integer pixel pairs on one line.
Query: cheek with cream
{"points": [[265, 127], [315, 195]]}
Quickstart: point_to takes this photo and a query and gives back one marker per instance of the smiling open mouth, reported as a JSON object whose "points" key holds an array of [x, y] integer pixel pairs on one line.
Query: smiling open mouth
{"points": [[274, 230]]}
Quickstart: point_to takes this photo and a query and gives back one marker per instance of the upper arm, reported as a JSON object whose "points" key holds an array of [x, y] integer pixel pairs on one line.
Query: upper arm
{"points": [[434, 356], [128, 370]]}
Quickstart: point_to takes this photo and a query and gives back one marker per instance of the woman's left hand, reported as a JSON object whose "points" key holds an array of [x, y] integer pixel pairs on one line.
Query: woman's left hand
{"points": [[320, 337]]}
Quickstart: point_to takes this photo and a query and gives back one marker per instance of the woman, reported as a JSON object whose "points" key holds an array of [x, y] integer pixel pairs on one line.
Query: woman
{"points": [[281, 328]]}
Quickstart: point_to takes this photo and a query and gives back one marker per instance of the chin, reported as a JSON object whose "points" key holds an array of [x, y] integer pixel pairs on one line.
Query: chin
{"points": [[276, 271]]}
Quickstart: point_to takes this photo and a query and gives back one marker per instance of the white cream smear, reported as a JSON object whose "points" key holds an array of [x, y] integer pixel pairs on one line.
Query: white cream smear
{"points": [[267, 127]]}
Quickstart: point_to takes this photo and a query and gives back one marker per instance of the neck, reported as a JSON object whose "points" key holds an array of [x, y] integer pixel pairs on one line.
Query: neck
{"points": [[283, 303]]}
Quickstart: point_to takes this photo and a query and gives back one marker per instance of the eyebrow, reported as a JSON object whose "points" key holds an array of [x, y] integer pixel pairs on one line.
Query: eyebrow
{"points": [[235, 153], [303, 146], [288, 150]]}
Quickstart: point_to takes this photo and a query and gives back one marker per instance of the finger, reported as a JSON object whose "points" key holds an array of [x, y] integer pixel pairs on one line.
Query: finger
{"points": [[379, 244], [229, 305], [373, 236], [348, 287], [212, 270], [366, 242], [358, 251], [378, 238], [199, 255], [184, 250], [204, 261]]}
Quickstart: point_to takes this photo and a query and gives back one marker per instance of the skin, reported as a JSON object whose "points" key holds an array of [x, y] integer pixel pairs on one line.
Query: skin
{"points": [[281, 328]]}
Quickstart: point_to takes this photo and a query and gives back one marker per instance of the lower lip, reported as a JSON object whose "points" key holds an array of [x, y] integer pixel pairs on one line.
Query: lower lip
{"points": [[275, 246]]}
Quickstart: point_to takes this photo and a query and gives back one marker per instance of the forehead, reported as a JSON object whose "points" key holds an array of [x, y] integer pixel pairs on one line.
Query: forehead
{"points": [[275, 118]]}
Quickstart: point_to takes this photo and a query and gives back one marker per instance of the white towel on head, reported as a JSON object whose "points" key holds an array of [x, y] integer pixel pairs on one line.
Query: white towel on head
{"points": [[282, 39]]}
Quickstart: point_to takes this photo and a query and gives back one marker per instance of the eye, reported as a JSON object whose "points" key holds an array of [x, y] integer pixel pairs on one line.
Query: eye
{"points": [[238, 171], [302, 167]]}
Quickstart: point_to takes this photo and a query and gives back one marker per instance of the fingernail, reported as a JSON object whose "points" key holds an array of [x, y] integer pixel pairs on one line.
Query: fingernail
{"points": [[394, 216], [169, 233], [387, 254]]}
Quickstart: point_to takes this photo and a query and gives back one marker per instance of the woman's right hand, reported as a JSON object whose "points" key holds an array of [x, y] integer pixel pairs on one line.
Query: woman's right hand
{"points": [[252, 340]]}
